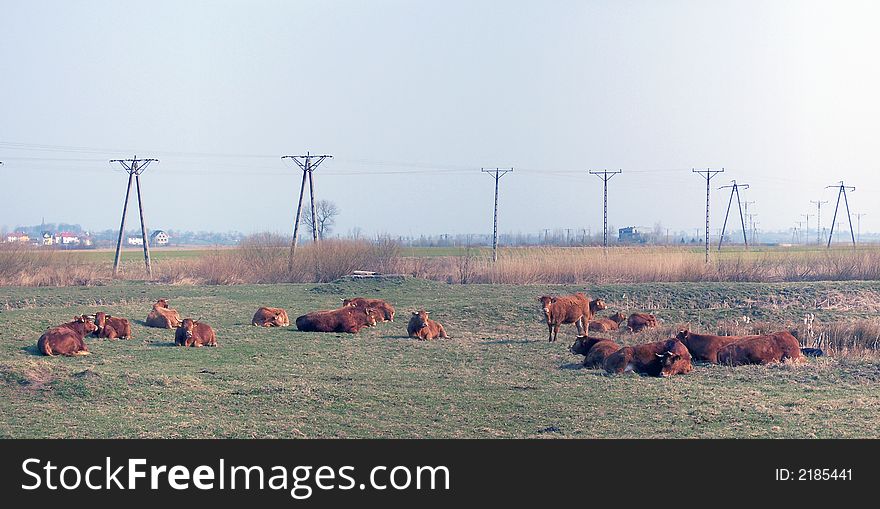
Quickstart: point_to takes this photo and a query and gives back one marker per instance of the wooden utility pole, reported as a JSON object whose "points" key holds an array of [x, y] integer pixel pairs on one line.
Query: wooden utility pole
{"points": [[605, 175], [496, 173], [807, 229], [134, 167], [859, 226], [307, 166], [842, 192], [707, 174], [734, 188]]}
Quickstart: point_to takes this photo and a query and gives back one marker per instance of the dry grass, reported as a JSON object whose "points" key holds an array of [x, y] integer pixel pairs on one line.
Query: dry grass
{"points": [[25, 266]]}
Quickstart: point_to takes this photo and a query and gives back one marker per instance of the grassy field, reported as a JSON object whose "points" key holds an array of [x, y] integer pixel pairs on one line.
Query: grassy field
{"points": [[496, 377]]}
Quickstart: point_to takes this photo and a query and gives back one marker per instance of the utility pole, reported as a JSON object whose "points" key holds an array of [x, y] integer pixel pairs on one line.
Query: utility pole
{"points": [[497, 173], [708, 174], [134, 167], [859, 226], [307, 166], [818, 219], [605, 175], [746, 209], [807, 230], [796, 237], [842, 191], [734, 188]]}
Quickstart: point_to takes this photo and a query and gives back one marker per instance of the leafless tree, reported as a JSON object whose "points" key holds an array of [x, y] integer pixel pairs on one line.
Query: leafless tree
{"points": [[326, 211]]}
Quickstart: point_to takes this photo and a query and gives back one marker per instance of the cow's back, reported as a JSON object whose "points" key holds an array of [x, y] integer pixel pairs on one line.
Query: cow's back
{"points": [[599, 353]]}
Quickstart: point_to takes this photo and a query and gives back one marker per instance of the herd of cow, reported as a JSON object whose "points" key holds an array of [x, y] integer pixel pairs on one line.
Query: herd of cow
{"points": [[355, 314], [662, 358]]}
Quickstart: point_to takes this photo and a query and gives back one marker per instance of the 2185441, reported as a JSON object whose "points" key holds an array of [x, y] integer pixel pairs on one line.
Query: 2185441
{"points": [[814, 474]]}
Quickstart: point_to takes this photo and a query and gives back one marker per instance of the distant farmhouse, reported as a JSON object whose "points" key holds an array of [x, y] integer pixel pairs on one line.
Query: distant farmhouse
{"points": [[159, 238], [20, 237], [630, 235], [134, 241]]}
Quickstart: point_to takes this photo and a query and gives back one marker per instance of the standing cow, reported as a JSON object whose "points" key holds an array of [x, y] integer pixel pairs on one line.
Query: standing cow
{"points": [[67, 339], [566, 309]]}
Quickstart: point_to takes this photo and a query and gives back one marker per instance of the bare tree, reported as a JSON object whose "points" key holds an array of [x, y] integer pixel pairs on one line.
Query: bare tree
{"points": [[326, 211]]}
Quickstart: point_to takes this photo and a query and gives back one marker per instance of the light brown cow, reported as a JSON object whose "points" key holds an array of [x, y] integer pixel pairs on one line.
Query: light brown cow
{"points": [[594, 350], [662, 358], [67, 339], [609, 324], [383, 309], [271, 317], [640, 321], [566, 309], [112, 327], [422, 327], [162, 316], [195, 333], [765, 349]]}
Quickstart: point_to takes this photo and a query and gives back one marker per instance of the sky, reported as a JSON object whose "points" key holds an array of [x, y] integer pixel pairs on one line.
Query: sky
{"points": [[413, 98]]}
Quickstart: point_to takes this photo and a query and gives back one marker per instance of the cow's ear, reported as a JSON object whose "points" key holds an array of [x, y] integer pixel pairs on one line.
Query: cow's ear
{"points": [[415, 313]]}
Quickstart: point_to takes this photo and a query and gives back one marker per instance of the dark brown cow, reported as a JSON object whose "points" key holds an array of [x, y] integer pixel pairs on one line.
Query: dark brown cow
{"points": [[112, 327], [662, 358], [640, 321], [422, 327], [566, 309], [607, 324], [162, 316], [271, 317], [765, 349], [195, 333], [384, 310], [594, 350], [67, 339], [705, 347], [348, 319]]}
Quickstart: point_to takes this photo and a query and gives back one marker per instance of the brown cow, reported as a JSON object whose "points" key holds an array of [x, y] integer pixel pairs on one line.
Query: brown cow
{"points": [[705, 347], [384, 311], [348, 319], [566, 309], [662, 358], [639, 321], [271, 317], [422, 327], [111, 327], [765, 349], [607, 324], [594, 350], [67, 339], [163, 316], [195, 333]]}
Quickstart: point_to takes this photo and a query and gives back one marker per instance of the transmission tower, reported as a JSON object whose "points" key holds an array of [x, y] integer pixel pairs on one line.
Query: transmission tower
{"points": [[708, 174], [307, 165], [818, 219], [134, 167], [842, 189], [605, 175], [734, 189]]}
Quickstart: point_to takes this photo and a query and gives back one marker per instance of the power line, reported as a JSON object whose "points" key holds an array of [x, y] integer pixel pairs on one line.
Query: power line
{"points": [[605, 175], [134, 167], [497, 173], [707, 174]]}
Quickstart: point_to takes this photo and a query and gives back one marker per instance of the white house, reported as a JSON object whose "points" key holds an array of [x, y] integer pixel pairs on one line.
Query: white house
{"points": [[135, 241], [67, 239], [159, 238]]}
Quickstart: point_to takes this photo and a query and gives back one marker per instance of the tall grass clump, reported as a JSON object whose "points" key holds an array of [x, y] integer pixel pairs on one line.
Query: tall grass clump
{"points": [[22, 265]]}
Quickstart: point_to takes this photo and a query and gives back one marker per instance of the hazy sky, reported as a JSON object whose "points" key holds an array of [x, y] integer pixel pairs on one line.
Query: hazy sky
{"points": [[414, 97]]}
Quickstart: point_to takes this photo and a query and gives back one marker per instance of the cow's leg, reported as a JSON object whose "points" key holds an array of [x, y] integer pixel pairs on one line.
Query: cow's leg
{"points": [[555, 331], [550, 327]]}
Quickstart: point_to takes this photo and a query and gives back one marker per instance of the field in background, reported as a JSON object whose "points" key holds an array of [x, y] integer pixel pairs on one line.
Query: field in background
{"points": [[496, 377]]}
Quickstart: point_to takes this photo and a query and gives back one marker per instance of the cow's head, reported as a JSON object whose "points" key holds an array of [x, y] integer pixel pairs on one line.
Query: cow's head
{"points": [[419, 318], [100, 320], [618, 317], [387, 311], [545, 301], [371, 316], [675, 359], [598, 304], [188, 325], [583, 344], [162, 303], [347, 302], [683, 334], [277, 319], [88, 324]]}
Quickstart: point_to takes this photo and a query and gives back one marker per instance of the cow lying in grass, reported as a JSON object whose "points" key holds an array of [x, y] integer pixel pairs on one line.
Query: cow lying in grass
{"points": [[349, 319], [662, 358], [111, 327], [383, 310], [195, 333], [422, 327], [271, 317], [162, 316], [594, 350], [765, 349], [67, 339], [609, 324], [640, 321], [705, 347]]}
